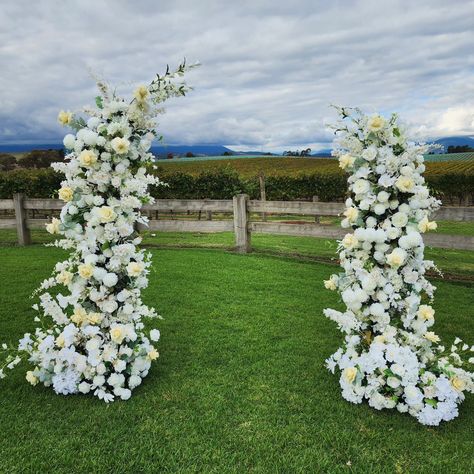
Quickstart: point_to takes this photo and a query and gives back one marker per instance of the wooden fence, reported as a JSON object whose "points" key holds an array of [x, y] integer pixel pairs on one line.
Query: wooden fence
{"points": [[240, 210]]}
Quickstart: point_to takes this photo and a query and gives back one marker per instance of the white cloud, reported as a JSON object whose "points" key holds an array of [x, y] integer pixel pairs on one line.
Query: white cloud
{"points": [[269, 70]]}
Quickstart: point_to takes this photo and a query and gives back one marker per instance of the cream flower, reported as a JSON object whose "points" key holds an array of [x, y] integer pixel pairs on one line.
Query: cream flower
{"points": [[120, 145], [141, 93], [405, 184], [117, 333], [425, 312], [458, 384], [346, 160], [396, 258], [376, 123], [86, 270], [153, 354], [352, 213], [87, 158], [66, 194], [31, 378], [53, 226], [349, 241], [331, 284], [64, 278], [79, 316], [65, 117], [350, 374], [431, 336], [425, 225], [106, 214], [134, 269]]}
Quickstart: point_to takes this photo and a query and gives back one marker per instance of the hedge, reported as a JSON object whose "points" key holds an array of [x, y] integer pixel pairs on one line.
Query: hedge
{"points": [[453, 189]]}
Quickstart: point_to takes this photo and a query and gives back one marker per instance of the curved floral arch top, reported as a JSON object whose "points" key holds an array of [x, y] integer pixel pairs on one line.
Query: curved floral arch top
{"points": [[390, 355], [92, 337]]}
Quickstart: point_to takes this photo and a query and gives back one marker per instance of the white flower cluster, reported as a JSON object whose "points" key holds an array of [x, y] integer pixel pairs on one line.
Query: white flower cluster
{"points": [[390, 356], [92, 335]]}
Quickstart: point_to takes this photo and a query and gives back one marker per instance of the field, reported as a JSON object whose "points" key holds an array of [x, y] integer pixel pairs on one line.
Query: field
{"points": [[293, 166], [240, 385]]}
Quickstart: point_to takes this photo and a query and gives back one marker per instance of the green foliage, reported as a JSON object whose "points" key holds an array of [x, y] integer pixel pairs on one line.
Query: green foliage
{"points": [[7, 162], [42, 183], [453, 187]]}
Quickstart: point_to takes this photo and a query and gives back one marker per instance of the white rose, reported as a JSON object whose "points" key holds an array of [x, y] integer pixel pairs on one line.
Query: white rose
{"points": [[69, 141], [154, 335], [399, 219], [110, 279], [361, 186], [370, 153], [120, 145]]}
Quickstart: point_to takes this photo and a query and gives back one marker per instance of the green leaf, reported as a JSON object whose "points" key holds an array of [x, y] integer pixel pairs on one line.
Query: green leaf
{"points": [[99, 102]]}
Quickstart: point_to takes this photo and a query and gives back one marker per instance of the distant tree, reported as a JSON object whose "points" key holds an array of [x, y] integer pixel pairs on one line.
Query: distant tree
{"points": [[459, 148], [189, 154], [306, 152], [7, 162], [170, 156], [41, 158], [227, 153]]}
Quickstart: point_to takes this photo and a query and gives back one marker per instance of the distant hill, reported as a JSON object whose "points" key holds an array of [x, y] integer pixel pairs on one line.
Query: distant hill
{"points": [[455, 141], [15, 148], [213, 150]]}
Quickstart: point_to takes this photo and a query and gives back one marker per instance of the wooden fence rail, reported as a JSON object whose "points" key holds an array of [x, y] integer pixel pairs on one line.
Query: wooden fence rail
{"points": [[241, 209]]}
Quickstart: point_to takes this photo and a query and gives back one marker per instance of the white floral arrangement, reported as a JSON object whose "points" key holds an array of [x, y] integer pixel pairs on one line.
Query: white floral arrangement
{"points": [[390, 355], [92, 336]]}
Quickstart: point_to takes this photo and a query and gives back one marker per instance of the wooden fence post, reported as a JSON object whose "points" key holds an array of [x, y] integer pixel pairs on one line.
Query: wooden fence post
{"points": [[263, 193], [241, 227], [24, 236]]}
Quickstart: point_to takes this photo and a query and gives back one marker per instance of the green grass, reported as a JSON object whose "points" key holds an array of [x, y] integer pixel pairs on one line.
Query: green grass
{"points": [[455, 263], [240, 385]]}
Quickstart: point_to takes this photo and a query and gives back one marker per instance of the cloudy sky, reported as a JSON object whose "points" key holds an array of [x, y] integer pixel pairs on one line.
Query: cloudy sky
{"points": [[269, 69]]}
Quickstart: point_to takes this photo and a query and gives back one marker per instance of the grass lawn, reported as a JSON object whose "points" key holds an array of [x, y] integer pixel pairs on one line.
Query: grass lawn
{"points": [[240, 385]]}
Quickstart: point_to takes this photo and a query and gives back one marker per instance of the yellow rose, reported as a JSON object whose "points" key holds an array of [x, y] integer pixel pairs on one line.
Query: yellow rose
{"points": [[380, 338], [60, 341], [85, 270], [31, 378], [64, 278], [350, 374], [106, 214], [431, 336], [79, 315], [66, 194], [94, 318], [425, 312], [458, 384], [351, 213], [349, 241], [53, 226], [425, 225], [117, 334], [120, 145], [153, 354], [87, 158], [376, 123], [64, 118], [135, 268], [331, 284], [141, 93], [345, 161], [405, 184]]}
